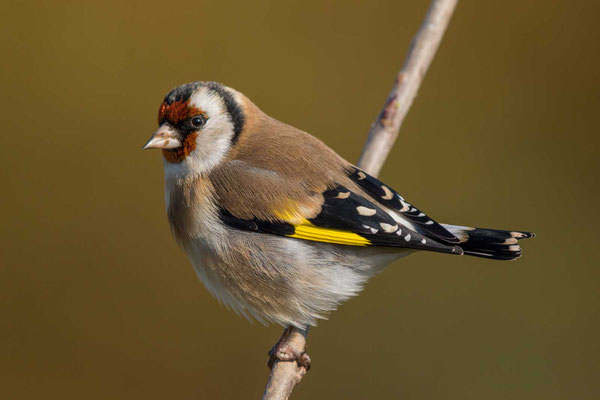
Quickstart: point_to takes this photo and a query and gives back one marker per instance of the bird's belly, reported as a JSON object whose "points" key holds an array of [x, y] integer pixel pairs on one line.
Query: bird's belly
{"points": [[284, 280]]}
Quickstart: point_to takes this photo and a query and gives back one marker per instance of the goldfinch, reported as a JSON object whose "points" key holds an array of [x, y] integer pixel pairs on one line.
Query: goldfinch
{"points": [[276, 224]]}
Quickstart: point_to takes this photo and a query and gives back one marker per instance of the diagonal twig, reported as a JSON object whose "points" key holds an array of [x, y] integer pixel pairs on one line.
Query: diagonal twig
{"points": [[384, 131]]}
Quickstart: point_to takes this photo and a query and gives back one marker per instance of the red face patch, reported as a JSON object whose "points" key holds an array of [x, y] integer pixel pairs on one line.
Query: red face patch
{"points": [[179, 154], [177, 112]]}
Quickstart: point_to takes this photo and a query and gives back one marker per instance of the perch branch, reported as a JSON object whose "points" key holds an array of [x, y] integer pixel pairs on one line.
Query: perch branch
{"points": [[285, 375], [384, 130]]}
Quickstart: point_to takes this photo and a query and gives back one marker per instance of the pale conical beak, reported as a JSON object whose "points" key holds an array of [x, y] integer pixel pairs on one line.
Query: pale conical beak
{"points": [[165, 137]]}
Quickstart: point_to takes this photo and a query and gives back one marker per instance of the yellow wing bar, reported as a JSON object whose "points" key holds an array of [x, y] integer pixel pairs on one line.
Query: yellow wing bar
{"points": [[308, 231]]}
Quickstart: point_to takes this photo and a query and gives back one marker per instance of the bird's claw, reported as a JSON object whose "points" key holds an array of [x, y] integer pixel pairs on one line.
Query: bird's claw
{"points": [[284, 352]]}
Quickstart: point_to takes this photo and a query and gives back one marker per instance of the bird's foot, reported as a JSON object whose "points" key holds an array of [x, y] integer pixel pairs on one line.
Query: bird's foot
{"points": [[284, 352]]}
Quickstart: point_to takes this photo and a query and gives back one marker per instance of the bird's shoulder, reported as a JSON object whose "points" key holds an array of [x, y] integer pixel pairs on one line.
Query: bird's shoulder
{"points": [[275, 167], [291, 152]]}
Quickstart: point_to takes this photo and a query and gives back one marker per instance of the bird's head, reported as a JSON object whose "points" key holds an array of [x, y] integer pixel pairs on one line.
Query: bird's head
{"points": [[197, 125]]}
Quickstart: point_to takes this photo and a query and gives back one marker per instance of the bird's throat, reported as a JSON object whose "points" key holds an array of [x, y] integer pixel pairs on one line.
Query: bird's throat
{"points": [[179, 154]]}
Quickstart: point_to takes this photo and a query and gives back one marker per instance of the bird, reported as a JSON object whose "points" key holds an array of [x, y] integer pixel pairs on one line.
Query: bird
{"points": [[276, 224]]}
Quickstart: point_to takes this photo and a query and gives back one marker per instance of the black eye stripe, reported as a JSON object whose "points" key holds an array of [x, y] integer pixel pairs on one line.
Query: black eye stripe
{"points": [[235, 111]]}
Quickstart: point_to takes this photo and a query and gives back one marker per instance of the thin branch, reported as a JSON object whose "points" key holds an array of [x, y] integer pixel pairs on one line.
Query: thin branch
{"points": [[384, 130], [285, 375]]}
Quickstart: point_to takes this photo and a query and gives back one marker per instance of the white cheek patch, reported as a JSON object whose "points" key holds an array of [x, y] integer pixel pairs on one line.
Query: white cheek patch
{"points": [[211, 147], [208, 101]]}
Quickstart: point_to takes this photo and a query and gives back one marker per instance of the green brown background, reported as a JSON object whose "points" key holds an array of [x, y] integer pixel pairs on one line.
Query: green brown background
{"points": [[97, 301]]}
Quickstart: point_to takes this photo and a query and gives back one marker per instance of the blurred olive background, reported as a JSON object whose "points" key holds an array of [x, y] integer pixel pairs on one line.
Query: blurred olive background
{"points": [[97, 301]]}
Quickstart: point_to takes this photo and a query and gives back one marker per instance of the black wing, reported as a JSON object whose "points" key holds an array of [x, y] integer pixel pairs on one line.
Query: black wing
{"points": [[392, 200]]}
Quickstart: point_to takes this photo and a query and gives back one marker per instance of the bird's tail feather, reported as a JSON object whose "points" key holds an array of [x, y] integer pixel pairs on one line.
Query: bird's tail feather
{"points": [[489, 243]]}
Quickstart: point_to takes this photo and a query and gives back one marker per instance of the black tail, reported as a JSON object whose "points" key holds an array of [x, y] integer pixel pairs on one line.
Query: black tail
{"points": [[489, 243]]}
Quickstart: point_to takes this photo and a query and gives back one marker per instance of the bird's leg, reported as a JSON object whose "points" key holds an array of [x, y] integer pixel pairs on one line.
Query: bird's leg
{"points": [[282, 351]]}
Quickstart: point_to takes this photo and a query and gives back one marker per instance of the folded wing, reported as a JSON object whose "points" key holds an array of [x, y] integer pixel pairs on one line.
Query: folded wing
{"points": [[332, 215]]}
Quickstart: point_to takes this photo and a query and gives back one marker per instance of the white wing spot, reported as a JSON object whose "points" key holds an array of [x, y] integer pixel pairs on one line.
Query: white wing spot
{"points": [[399, 232], [407, 237], [423, 241], [430, 222], [388, 228], [373, 230], [362, 210], [421, 215], [388, 193], [361, 175], [343, 195], [404, 206]]}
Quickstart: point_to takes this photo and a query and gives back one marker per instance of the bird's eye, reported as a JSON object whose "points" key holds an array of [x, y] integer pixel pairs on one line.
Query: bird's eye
{"points": [[198, 121]]}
